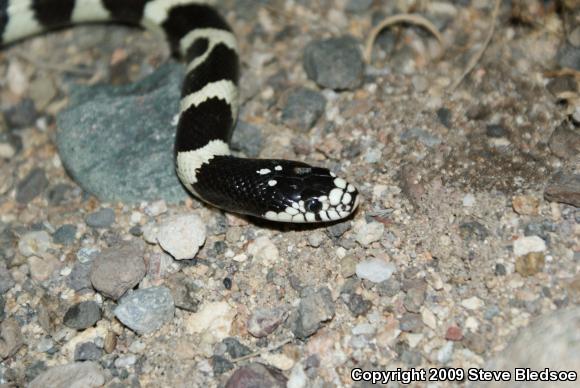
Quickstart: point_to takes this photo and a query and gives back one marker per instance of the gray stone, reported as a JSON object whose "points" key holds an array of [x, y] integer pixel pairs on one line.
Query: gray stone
{"points": [[221, 365], [248, 139], [339, 229], [256, 375], [496, 131], [117, 141], [565, 141], [102, 218], [411, 323], [421, 135], [316, 306], [31, 186], [235, 349], [356, 304], [65, 235], [119, 268], [303, 108], [564, 187], [146, 310], [82, 315], [88, 351], [264, 321], [76, 375], [569, 56], [80, 277], [21, 115], [551, 341], [184, 291], [334, 63], [10, 338], [6, 281]]}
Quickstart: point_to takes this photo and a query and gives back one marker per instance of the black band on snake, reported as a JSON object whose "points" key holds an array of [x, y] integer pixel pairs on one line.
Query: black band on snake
{"points": [[278, 190]]}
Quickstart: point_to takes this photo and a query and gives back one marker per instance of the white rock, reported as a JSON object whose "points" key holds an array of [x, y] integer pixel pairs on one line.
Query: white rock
{"points": [[42, 268], [366, 234], [473, 303], [213, 318], [428, 318], [34, 243], [156, 208], [180, 236], [528, 244], [278, 360], [297, 378], [472, 324], [125, 361], [444, 354], [76, 375], [468, 200], [264, 250], [375, 270]]}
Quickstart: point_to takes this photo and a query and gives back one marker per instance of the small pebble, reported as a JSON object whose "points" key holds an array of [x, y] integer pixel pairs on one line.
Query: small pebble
{"points": [[42, 268], [468, 200], [118, 269], [146, 310], [496, 131], [235, 349], [87, 351], [213, 320], [356, 6], [473, 303], [180, 235], [256, 375], [31, 186], [156, 208], [221, 365], [101, 219], [526, 205], [337, 230], [11, 338], [65, 235], [303, 108], [316, 307], [264, 321], [264, 250], [530, 264], [357, 305], [35, 243], [444, 116], [82, 315], [444, 354], [375, 270], [528, 244], [366, 234], [315, 239], [454, 333], [79, 374], [411, 323], [247, 138], [126, 361], [334, 63]]}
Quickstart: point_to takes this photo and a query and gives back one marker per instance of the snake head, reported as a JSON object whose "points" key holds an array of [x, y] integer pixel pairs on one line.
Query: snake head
{"points": [[302, 193]]}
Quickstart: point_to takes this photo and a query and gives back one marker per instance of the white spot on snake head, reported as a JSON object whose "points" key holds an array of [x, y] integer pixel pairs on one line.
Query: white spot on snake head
{"points": [[278, 168], [340, 183], [264, 171], [272, 183], [335, 196], [291, 211], [346, 199], [270, 215]]}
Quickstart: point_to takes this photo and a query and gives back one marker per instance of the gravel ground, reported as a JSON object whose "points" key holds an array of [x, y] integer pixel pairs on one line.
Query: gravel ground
{"points": [[465, 252]]}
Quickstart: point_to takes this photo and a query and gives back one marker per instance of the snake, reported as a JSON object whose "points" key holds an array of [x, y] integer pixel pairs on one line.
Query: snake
{"points": [[273, 189]]}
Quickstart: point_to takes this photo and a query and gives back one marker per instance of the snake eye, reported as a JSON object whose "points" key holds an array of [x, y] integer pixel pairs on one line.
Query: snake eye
{"points": [[313, 205]]}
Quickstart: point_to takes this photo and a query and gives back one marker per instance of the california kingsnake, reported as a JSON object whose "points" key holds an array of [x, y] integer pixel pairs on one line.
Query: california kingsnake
{"points": [[278, 190]]}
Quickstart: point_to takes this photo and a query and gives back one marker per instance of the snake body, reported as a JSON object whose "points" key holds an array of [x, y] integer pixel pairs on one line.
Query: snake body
{"points": [[277, 190]]}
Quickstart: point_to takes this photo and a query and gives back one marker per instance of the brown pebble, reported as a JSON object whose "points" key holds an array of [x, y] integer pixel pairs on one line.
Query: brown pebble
{"points": [[526, 205], [110, 342], [530, 264], [454, 333]]}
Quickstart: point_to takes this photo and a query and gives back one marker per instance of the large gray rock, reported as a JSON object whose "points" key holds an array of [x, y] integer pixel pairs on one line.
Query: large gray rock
{"points": [[117, 141]]}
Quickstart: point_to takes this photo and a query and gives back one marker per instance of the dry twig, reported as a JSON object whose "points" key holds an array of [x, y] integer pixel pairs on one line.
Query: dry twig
{"points": [[402, 18], [473, 61]]}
